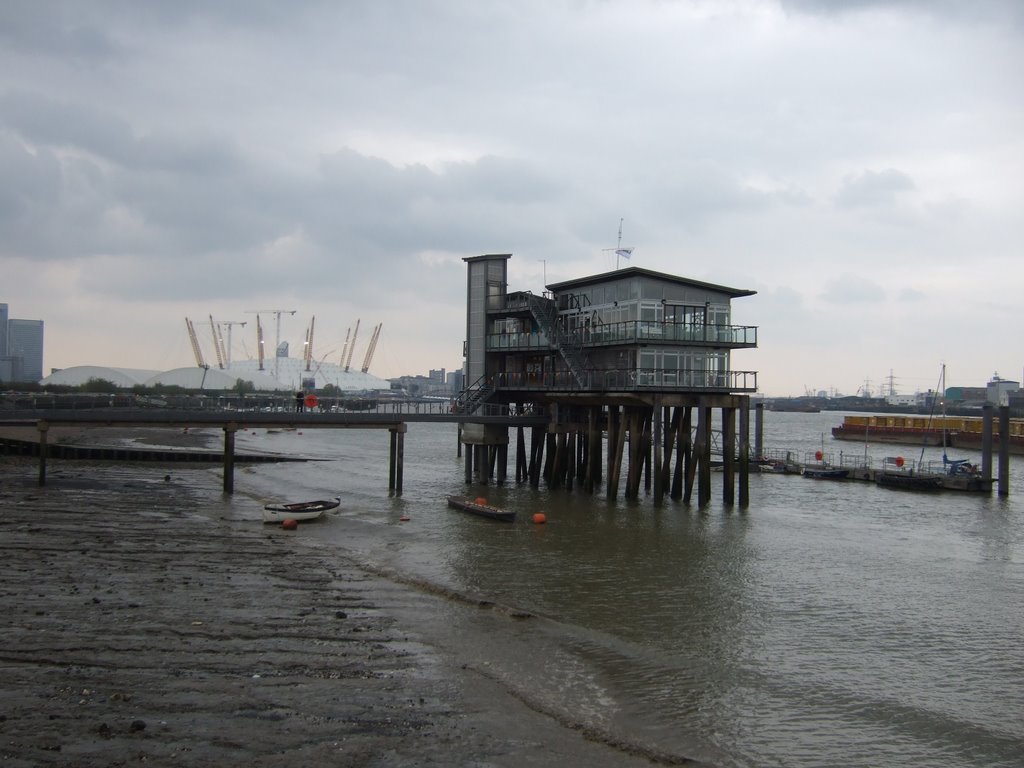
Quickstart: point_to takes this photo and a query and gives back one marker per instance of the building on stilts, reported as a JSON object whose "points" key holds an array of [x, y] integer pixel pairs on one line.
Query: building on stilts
{"points": [[631, 366]]}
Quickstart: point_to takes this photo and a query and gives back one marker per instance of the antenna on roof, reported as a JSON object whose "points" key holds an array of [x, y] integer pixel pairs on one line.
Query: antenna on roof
{"points": [[619, 250]]}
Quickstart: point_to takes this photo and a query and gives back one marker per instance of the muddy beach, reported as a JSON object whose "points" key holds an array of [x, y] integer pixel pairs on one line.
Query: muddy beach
{"points": [[146, 622]]}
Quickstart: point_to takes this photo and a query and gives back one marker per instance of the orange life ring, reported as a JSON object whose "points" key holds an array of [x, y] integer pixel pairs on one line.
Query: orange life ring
{"points": [[818, 455], [312, 401], [899, 461]]}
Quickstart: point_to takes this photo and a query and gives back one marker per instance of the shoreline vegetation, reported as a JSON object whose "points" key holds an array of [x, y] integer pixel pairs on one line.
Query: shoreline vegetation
{"points": [[149, 621]]}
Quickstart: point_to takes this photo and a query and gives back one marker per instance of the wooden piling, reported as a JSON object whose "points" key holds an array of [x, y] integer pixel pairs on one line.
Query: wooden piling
{"points": [[229, 457]]}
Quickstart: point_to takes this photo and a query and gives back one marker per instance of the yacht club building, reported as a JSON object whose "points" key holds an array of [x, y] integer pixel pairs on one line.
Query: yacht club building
{"points": [[607, 352]]}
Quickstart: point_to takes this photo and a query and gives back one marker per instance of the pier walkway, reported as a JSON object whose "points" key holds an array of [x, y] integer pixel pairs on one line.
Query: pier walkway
{"points": [[390, 416]]}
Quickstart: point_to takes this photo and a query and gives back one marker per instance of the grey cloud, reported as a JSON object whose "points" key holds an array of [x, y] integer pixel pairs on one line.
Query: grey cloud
{"points": [[54, 29], [853, 289], [43, 121], [996, 11], [873, 188]]}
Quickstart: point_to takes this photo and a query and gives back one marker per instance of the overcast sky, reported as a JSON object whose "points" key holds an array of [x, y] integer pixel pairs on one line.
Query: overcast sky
{"points": [[860, 164]]}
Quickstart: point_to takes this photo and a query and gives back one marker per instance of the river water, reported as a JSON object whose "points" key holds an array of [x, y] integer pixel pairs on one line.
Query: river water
{"points": [[829, 623]]}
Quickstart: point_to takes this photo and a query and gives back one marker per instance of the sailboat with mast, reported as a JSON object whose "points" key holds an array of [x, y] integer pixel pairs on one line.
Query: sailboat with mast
{"points": [[956, 474]]}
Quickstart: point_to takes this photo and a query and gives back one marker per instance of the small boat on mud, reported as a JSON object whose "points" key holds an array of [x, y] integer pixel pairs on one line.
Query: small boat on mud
{"points": [[300, 510], [481, 507]]}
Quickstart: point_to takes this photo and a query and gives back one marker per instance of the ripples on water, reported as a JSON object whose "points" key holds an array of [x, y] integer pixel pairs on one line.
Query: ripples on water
{"points": [[827, 624]]}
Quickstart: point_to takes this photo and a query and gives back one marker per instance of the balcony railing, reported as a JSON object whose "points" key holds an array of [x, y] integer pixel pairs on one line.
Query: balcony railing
{"points": [[628, 380], [634, 332]]}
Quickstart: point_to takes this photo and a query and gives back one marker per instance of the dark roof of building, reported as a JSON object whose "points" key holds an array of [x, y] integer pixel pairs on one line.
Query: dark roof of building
{"points": [[641, 272]]}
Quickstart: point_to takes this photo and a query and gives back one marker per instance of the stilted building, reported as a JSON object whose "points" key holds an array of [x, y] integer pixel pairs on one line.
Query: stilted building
{"points": [[641, 355]]}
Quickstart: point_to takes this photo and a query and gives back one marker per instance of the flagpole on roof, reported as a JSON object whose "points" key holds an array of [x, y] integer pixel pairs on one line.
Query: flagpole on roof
{"points": [[619, 250]]}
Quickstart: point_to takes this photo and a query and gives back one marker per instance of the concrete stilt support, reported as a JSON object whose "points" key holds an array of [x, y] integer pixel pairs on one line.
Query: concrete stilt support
{"points": [[229, 457]]}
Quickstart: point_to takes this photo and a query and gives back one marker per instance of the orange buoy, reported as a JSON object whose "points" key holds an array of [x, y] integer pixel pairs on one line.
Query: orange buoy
{"points": [[818, 455], [312, 401], [480, 500], [899, 461], [290, 524], [540, 518]]}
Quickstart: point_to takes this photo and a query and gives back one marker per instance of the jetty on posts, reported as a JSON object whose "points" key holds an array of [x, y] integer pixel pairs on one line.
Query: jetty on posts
{"points": [[902, 472]]}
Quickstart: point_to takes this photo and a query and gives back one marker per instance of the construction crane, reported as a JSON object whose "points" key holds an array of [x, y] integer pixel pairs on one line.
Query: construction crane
{"points": [[372, 347], [277, 344], [226, 348], [307, 352], [195, 344], [259, 341], [344, 349], [351, 349], [217, 344]]}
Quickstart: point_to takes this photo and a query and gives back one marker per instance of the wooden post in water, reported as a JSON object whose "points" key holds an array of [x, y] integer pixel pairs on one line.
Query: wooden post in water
{"points": [[614, 450], [502, 463], [704, 456], [759, 431], [521, 463], [229, 457], [1004, 451], [396, 460], [986, 442], [43, 428], [538, 441], [728, 455], [400, 459], [745, 452], [657, 422]]}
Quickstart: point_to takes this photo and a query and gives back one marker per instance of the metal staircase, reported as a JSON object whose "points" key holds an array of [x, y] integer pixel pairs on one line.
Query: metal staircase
{"points": [[569, 344], [473, 396]]}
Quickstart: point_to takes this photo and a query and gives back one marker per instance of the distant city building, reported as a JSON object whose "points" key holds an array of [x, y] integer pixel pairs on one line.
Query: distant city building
{"points": [[998, 390], [21, 348]]}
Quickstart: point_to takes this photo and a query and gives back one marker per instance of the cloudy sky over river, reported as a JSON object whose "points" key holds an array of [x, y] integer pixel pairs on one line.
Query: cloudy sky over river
{"points": [[858, 164]]}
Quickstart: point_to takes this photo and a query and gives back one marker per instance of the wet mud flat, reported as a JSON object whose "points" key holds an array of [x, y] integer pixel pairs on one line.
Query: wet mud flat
{"points": [[146, 622]]}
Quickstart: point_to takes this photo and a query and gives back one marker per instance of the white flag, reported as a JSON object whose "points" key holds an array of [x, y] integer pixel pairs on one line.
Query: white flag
{"points": [[624, 252]]}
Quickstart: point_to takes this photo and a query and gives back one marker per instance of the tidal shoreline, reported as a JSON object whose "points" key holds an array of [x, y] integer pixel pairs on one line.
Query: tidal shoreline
{"points": [[148, 621]]}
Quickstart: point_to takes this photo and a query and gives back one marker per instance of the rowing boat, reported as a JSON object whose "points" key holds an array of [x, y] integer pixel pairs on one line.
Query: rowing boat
{"points": [[483, 509], [300, 510]]}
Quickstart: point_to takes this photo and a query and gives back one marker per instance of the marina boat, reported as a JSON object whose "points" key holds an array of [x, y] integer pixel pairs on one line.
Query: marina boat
{"points": [[481, 507], [827, 473], [909, 481], [301, 510]]}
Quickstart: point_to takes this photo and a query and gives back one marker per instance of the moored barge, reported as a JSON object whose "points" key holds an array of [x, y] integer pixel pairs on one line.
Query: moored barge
{"points": [[954, 431]]}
